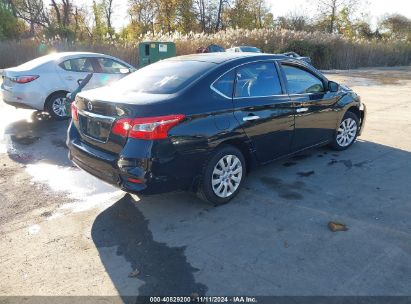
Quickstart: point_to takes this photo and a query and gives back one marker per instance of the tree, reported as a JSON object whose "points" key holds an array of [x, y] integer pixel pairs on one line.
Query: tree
{"points": [[329, 10], [107, 6], [363, 30], [31, 11], [186, 17], [396, 26], [166, 15], [293, 22], [241, 15], [62, 11], [99, 29], [208, 14], [142, 14], [10, 27]]}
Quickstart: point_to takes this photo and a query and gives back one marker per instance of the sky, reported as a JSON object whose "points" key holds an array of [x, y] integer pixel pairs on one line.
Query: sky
{"points": [[374, 8]]}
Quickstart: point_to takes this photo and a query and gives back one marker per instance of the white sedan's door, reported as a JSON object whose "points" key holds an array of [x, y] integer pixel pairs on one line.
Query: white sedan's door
{"points": [[71, 71]]}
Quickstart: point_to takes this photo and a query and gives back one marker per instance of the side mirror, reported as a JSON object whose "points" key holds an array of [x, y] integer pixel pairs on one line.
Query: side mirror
{"points": [[333, 86]]}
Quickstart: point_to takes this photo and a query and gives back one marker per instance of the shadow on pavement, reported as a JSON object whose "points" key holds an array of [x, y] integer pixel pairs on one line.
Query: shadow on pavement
{"points": [[163, 270], [37, 138], [266, 242]]}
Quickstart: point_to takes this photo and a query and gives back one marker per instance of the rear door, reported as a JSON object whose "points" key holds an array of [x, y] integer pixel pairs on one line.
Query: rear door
{"points": [[315, 119], [263, 109], [73, 70]]}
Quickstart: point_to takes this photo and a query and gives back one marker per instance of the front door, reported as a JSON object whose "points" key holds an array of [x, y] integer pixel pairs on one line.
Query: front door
{"points": [[108, 71], [263, 109], [315, 118]]}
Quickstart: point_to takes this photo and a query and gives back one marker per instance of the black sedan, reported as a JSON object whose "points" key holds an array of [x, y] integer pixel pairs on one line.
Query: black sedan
{"points": [[201, 122]]}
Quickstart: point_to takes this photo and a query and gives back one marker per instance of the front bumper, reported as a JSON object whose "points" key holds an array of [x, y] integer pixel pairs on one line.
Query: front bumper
{"points": [[363, 113]]}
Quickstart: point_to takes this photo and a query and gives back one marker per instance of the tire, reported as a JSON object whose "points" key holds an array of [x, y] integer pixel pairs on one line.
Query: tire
{"points": [[218, 188], [56, 107], [347, 132]]}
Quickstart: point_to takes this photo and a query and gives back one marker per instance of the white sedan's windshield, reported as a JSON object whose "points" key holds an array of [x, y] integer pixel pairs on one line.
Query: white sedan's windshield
{"points": [[164, 77]]}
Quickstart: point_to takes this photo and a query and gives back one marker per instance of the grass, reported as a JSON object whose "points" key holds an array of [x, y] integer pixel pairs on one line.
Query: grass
{"points": [[327, 51]]}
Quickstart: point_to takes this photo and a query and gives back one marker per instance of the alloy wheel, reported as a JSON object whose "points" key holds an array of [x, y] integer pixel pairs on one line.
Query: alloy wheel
{"points": [[346, 132], [227, 175], [59, 107]]}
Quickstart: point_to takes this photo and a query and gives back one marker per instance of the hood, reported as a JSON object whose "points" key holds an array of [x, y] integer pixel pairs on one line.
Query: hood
{"points": [[345, 88]]}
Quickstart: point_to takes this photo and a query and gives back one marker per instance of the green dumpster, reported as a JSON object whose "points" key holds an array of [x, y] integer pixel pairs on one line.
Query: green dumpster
{"points": [[152, 51]]}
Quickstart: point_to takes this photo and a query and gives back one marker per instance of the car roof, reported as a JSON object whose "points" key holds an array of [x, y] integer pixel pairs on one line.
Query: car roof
{"points": [[39, 61], [220, 57]]}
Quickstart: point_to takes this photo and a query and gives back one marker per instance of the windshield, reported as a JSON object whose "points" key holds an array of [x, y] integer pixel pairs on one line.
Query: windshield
{"points": [[164, 77]]}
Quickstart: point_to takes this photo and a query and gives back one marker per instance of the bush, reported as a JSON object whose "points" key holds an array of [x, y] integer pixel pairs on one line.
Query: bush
{"points": [[327, 51]]}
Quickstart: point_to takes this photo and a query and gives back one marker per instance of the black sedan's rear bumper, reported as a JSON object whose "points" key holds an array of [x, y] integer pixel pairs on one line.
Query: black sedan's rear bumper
{"points": [[154, 174]]}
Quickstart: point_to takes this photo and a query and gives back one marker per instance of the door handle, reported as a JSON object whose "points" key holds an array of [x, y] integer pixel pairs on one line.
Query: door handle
{"points": [[301, 110], [251, 118], [69, 78]]}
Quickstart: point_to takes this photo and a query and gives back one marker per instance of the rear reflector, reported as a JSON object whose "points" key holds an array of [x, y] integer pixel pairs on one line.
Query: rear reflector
{"points": [[24, 79], [148, 128], [134, 180], [74, 112]]}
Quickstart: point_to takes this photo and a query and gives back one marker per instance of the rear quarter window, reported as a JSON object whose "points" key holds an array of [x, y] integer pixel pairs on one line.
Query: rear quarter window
{"points": [[225, 84]]}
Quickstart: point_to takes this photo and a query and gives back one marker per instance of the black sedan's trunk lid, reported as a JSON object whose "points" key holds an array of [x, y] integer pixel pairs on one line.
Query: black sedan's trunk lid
{"points": [[99, 109]]}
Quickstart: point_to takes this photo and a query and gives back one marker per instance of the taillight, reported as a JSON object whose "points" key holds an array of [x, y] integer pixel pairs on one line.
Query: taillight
{"points": [[147, 127], [74, 112], [122, 126], [24, 79], [134, 180]]}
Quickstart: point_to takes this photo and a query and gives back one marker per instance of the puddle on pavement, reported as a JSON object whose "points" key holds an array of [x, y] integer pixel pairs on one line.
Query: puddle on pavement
{"points": [[370, 77], [59, 143], [86, 191], [24, 139], [284, 189], [8, 116]]}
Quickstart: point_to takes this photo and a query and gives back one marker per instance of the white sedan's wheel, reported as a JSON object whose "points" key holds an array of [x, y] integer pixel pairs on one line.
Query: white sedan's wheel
{"points": [[227, 176], [59, 107], [347, 132], [56, 106]]}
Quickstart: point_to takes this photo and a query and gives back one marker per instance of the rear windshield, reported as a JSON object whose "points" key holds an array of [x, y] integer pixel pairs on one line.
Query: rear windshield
{"points": [[164, 77], [38, 61]]}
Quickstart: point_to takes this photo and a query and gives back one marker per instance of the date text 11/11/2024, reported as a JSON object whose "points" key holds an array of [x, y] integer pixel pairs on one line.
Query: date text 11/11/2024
{"points": [[204, 299]]}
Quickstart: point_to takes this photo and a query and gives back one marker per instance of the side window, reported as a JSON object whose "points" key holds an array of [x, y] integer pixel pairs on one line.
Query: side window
{"points": [[225, 84], [77, 65], [302, 82], [110, 66], [257, 80]]}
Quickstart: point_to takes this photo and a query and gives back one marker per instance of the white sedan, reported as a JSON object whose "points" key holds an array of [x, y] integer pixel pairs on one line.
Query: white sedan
{"points": [[43, 83]]}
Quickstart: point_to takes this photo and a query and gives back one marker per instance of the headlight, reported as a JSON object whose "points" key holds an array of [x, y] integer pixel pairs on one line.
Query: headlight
{"points": [[361, 107]]}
